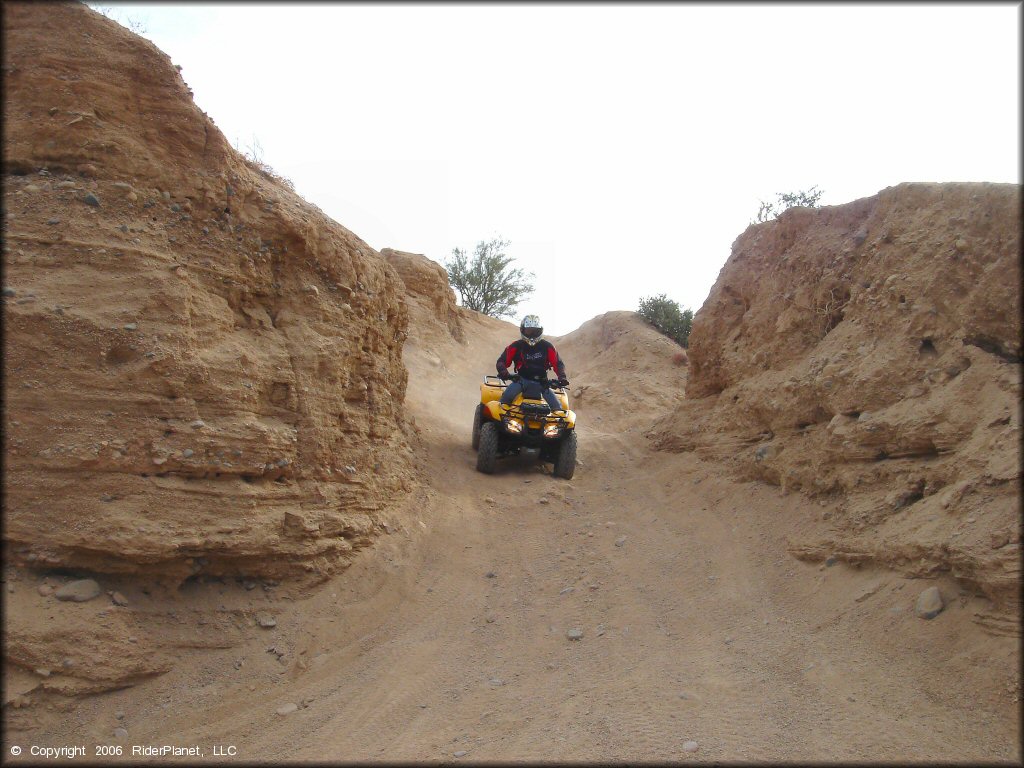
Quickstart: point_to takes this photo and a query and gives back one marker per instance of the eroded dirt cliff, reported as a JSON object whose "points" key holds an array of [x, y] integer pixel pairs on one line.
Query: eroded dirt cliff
{"points": [[868, 354], [203, 372], [426, 281]]}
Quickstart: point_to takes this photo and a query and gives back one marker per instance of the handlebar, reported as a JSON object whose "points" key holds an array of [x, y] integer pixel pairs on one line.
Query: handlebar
{"points": [[497, 381]]}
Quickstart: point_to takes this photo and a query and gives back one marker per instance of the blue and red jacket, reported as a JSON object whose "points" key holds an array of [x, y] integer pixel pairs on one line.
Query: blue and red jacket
{"points": [[530, 362]]}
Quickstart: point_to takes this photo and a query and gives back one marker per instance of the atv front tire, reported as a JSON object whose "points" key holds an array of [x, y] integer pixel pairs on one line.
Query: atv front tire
{"points": [[478, 418], [565, 461], [487, 453]]}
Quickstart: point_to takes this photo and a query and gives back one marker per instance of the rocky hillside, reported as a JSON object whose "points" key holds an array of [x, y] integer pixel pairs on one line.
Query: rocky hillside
{"points": [[869, 354], [203, 372], [426, 283], [185, 335]]}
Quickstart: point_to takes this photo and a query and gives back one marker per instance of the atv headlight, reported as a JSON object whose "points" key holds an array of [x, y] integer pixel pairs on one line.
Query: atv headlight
{"points": [[513, 426], [552, 430]]}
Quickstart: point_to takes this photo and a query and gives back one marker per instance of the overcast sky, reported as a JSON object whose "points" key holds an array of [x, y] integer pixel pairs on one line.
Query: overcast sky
{"points": [[620, 148]]}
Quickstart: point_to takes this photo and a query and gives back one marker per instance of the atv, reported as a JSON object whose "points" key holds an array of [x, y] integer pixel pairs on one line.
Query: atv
{"points": [[527, 425]]}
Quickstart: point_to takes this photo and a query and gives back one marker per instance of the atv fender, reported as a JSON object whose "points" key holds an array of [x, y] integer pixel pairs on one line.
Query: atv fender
{"points": [[489, 392], [492, 410]]}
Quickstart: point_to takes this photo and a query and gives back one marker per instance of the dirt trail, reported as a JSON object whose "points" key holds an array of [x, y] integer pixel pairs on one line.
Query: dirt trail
{"points": [[447, 640]]}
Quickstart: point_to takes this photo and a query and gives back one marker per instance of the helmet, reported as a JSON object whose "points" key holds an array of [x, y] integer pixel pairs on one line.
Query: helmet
{"points": [[531, 329]]}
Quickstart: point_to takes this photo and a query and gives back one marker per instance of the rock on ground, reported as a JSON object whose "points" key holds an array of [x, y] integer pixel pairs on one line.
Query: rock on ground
{"points": [[79, 591], [929, 603]]}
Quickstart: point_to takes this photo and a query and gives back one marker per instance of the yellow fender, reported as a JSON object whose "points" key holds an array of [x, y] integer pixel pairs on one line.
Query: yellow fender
{"points": [[489, 395], [489, 392]]}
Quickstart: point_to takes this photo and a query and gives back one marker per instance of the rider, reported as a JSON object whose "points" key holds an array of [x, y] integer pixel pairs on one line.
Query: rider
{"points": [[532, 356]]}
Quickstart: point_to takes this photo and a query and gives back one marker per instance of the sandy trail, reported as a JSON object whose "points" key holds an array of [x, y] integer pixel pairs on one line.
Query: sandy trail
{"points": [[448, 640]]}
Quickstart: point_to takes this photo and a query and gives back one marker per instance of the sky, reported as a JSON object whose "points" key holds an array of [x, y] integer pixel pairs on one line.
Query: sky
{"points": [[620, 149]]}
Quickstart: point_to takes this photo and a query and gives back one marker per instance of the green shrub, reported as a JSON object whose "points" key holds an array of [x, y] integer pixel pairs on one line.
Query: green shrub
{"points": [[665, 315], [804, 198], [487, 283]]}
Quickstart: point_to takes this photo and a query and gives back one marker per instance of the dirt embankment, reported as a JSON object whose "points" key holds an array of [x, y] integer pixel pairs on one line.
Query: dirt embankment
{"points": [[616, 359], [203, 371], [869, 355], [426, 286]]}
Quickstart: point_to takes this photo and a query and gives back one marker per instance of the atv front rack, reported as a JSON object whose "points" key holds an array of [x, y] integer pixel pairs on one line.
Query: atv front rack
{"points": [[534, 412]]}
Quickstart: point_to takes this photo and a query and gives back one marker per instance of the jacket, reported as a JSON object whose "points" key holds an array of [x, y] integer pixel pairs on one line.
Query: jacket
{"points": [[530, 362]]}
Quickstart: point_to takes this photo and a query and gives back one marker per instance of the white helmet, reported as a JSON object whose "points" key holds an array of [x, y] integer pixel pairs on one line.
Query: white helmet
{"points": [[531, 329]]}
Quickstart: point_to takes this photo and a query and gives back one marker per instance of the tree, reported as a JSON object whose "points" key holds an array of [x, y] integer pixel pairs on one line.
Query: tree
{"points": [[487, 283], [805, 198], [665, 315]]}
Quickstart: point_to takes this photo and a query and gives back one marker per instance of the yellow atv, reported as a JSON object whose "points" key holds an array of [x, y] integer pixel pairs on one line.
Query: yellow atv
{"points": [[527, 425]]}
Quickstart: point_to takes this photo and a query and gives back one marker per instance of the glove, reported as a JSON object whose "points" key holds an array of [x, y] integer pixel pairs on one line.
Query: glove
{"points": [[563, 382], [516, 377]]}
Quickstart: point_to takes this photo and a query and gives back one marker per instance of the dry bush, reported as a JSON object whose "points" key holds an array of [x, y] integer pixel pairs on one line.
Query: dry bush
{"points": [[253, 156], [269, 173]]}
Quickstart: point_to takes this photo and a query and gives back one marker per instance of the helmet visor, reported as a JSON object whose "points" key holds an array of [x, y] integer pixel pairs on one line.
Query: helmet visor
{"points": [[532, 333]]}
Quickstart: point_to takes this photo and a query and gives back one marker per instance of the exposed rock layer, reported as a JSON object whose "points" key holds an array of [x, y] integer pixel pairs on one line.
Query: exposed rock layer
{"points": [[424, 279], [870, 353], [203, 371]]}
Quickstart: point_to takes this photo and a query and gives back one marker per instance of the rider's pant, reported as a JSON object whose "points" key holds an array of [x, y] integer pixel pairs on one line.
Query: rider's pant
{"points": [[516, 387]]}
